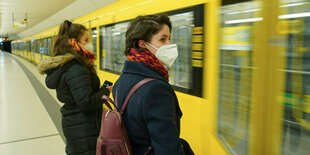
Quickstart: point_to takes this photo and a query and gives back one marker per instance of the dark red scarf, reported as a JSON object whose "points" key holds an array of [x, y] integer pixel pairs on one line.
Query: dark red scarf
{"points": [[75, 45], [149, 59]]}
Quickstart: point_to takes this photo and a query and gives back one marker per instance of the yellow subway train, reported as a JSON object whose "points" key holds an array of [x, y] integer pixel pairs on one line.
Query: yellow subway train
{"points": [[242, 76]]}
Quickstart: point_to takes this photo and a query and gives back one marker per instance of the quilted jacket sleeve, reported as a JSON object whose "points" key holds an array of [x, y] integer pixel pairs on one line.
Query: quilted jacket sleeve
{"points": [[79, 80]]}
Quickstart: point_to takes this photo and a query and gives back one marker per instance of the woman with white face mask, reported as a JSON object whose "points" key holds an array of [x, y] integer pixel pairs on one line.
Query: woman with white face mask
{"points": [[72, 74], [152, 115]]}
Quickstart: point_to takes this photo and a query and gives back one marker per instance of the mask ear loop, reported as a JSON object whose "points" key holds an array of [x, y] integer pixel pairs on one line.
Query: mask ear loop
{"points": [[152, 45]]}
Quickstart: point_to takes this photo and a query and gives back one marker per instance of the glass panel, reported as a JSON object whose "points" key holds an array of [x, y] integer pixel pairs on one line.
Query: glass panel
{"points": [[296, 118], [37, 46], [20, 46], [44, 49], [49, 46], [94, 42], [236, 71], [180, 72], [33, 46], [113, 46], [112, 40]]}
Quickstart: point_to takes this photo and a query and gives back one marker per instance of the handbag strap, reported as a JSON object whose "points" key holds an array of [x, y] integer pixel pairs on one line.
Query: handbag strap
{"points": [[133, 89]]}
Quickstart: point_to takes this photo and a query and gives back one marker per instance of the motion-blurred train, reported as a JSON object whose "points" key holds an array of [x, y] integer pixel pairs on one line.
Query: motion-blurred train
{"points": [[242, 75]]}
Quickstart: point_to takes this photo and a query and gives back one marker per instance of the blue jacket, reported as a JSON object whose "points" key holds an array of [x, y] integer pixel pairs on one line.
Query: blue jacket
{"points": [[152, 115]]}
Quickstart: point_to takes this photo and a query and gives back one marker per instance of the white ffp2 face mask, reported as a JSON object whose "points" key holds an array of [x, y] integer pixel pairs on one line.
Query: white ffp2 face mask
{"points": [[89, 47], [166, 54]]}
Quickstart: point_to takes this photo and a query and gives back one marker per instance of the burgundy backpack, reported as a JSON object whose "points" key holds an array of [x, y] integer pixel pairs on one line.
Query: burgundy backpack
{"points": [[113, 138]]}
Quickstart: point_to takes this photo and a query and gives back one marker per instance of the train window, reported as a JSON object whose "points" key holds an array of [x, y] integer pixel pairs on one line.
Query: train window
{"points": [[236, 72], [296, 118], [37, 46], [49, 46], [113, 46], [94, 39], [20, 46], [28, 46], [32, 46], [94, 33], [181, 70], [25, 46], [44, 48]]}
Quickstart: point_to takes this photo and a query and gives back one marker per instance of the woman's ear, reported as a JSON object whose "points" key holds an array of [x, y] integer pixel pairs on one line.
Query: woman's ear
{"points": [[141, 44]]}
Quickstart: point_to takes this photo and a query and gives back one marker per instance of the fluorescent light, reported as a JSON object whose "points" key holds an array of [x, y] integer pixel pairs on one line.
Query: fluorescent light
{"points": [[237, 12], [253, 10], [289, 5], [125, 9], [145, 2], [110, 13], [247, 20], [295, 15], [233, 13]]}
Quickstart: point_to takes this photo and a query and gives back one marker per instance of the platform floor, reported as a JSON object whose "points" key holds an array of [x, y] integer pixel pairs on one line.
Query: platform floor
{"points": [[29, 112]]}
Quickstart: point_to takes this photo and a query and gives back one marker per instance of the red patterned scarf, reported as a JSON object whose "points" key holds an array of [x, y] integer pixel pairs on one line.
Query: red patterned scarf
{"points": [[149, 59], [79, 46]]}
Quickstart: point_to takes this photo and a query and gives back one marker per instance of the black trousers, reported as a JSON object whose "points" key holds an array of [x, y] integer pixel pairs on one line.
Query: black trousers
{"points": [[186, 147]]}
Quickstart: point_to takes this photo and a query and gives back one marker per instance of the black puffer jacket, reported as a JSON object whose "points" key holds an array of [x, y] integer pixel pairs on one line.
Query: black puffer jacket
{"points": [[78, 88]]}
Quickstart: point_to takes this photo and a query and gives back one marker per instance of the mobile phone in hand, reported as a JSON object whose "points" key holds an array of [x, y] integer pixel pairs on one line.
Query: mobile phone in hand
{"points": [[107, 83]]}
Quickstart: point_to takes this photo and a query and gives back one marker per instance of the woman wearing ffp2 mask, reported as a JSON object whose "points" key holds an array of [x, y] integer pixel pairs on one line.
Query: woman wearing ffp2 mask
{"points": [[152, 115]]}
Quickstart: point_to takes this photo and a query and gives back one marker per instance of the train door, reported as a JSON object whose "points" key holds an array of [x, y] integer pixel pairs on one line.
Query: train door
{"points": [[263, 97], [236, 69], [294, 18]]}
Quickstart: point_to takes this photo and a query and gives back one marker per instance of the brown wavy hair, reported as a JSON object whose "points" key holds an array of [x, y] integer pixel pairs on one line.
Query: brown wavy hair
{"points": [[69, 30]]}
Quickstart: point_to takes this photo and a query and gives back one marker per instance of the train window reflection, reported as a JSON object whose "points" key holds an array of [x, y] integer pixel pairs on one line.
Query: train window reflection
{"points": [[180, 72], [45, 47], [113, 46], [296, 118], [112, 42], [94, 42], [236, 71], [49, 46]]}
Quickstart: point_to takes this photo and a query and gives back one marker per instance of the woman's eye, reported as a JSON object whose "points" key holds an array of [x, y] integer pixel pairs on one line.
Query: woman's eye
{"points": [[163, 39]]}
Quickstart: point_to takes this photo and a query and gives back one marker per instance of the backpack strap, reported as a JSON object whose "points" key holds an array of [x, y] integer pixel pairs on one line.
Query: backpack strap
{"points": [[105, 101], [133, 89]]}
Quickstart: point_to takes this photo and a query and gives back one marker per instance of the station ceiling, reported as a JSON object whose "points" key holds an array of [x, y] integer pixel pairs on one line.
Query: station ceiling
{"points": [[22, 18]]}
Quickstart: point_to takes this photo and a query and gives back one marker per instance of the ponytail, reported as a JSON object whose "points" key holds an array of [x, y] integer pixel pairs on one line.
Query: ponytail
{"points": [[68, 30], [64, 29]]}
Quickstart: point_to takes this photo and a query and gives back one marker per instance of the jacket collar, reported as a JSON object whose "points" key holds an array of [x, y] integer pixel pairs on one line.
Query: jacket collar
{"points": [[134, 67], [54, 62]]}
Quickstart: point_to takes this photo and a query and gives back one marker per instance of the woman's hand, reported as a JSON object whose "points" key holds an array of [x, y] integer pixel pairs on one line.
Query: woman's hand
{"points": [[110, 88]]}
